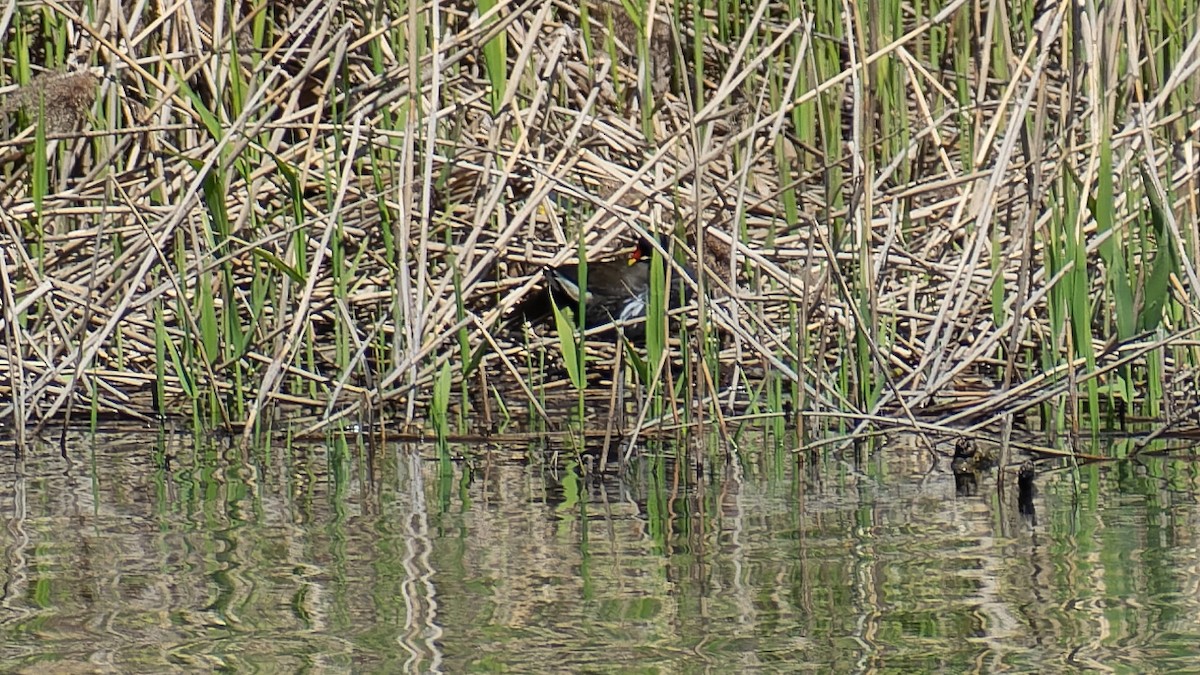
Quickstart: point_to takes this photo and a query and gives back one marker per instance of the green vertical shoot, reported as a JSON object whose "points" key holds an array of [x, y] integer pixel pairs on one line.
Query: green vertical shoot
{"points": [[495, 55], [571, 350], [41, 172], [998, 278], [1112, 251], [1164, 263], [440, 405], [1079, 303]]}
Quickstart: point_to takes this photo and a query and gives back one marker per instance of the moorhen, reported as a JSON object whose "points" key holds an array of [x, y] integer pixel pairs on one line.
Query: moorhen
{"points": [[617, 290]]}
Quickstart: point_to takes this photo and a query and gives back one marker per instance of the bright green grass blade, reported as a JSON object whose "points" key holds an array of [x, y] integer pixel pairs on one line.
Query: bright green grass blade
{"points": [[636, 361], [185, 379], [21, 44], [210, 335], [41, 172], [1079, 302], [1158, 283], [278, 263], [998, 281], [656, 310], [566, 342], [161, 340], [441, 402], [475, 359], [207, 118], [214, 199], [495, 60], [1112, 251], [581, 279]]}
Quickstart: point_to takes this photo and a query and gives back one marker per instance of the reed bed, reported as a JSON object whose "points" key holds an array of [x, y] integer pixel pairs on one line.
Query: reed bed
{"points": [[933, 216]]}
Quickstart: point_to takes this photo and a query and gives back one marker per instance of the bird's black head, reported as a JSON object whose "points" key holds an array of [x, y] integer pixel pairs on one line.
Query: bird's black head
{"points": [[645, 248]]}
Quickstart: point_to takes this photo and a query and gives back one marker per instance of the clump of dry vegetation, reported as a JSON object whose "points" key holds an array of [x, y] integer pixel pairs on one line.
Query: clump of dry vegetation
{"points": [[931, 216]]}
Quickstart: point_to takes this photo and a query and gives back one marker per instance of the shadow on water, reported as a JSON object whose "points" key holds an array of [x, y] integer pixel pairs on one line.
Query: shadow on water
{"points": [[140, 552]]}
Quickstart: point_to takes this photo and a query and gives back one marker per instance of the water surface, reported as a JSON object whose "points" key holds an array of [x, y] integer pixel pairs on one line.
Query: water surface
{"points": [[149, 552]]}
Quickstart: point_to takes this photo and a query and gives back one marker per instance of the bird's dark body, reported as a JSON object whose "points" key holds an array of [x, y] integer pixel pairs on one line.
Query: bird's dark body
{"points": [[617, 290]]}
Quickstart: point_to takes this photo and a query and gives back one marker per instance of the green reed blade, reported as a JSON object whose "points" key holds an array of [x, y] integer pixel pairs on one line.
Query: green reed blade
{"points": [[582, 281], [495, 60], [656, 311], [1112, 250], [41, 172], [278, 264], [997, 260], [440, 404], [635, 360], [161, 341], [184, 374], [207, 118], [572, 355], [1164, 264], [1078, 300]]}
